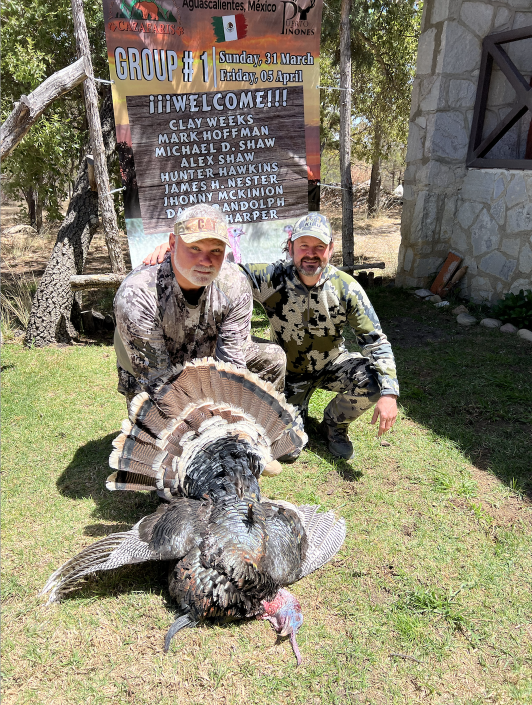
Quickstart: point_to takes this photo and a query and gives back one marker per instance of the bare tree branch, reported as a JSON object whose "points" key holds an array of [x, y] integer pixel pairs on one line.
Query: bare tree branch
{"points": [[30, 107]]}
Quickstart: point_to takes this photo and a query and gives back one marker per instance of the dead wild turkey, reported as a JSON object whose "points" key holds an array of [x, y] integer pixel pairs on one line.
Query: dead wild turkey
{"points": [[202, 443]]}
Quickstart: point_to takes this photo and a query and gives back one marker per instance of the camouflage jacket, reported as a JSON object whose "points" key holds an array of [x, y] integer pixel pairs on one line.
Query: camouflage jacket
{"points": [[308, 323], [160, 331]]}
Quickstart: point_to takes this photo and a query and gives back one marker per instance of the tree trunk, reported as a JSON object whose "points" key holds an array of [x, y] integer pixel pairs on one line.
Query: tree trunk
{"points": [[29, 196], [375, 181], [38, 209], [345, 135], [50, 317], [110, 225]]}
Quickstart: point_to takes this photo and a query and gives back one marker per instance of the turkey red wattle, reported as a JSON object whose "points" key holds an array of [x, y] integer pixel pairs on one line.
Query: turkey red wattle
{"points": [[285, 615]]}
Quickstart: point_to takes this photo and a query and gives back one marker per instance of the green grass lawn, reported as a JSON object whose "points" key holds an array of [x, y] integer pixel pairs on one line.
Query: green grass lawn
{"points": [[429, 601]]}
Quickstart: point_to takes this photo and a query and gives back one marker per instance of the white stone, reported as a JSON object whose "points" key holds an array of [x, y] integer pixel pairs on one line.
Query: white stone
{"points": [[497, 264], [459, 309], [466, 319], [525, 260], [424, 267], [442, 304], [414, 150], [522, 19], [409, 257], [20, 230], [501, 91], [448, 218], [525, 334], [446, 135], [516, 191], [498, 187], [423, 293], [435, 299], [519, 4], [502, 17], [519, 219], [478, 185], [477, 16], [481, 290], [459, 240], [511, 246], [467, 213], [491, 323], [424, 218], [508, 328], [440, 11], [498, 211], [528, 181], [425, 52], [520, 284], [431, 99], [459, 50], [484, 234], [462, 93]]}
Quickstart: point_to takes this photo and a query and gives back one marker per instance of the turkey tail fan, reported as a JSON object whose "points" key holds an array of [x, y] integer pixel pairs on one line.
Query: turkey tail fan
{"points": [[113, 551], [208, 401], [325, 536]]}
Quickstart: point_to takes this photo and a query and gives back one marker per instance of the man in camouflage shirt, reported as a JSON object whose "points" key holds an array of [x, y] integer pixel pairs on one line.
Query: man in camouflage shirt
{"points": [[308, 303], [190, 305]]}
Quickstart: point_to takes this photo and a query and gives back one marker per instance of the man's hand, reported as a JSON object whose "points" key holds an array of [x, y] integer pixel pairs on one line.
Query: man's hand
{"points": [[386, 409], [157, 256]]}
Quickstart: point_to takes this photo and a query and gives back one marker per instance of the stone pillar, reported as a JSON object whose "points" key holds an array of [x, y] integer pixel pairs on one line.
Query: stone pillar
{"points": [[483, 214]]}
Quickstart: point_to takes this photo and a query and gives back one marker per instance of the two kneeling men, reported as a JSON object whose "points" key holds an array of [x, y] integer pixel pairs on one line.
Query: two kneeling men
{"points": [[190, 304]]}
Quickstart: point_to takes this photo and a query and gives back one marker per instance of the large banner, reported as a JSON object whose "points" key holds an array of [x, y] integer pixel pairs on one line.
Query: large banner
{"points": [[216, 102]]}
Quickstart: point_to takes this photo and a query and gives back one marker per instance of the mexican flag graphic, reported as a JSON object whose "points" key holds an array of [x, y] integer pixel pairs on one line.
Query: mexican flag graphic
{"points": [[229, 27]]}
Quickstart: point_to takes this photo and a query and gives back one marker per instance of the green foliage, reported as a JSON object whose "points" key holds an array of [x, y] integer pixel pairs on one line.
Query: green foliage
{"points": [[384, 35], [37, 40], [515, 308]]}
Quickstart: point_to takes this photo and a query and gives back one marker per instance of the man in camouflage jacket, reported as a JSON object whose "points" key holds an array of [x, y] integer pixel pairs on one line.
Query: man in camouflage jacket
{"points": [[308, 303], [190, 305]]}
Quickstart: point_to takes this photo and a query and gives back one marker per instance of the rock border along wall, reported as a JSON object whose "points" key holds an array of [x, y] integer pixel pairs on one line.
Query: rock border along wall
{"points": [[483, 214]]}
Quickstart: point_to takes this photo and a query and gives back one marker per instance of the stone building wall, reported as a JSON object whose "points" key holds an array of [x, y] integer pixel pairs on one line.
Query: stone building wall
{"points": [[483, 214]]}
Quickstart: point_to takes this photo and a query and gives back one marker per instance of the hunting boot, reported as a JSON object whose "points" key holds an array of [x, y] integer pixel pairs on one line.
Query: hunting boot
{"points": [[337, 439]]}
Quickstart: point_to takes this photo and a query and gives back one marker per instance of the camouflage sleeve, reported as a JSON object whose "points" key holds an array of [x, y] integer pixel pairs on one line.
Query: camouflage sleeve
{"points": [[235, 329], [262, 280], [140, 329], [373, 343]]}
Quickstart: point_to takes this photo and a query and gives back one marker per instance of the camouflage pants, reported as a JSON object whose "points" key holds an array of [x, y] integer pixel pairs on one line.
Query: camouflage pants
{"points": [[351, 375], [265, 359]]}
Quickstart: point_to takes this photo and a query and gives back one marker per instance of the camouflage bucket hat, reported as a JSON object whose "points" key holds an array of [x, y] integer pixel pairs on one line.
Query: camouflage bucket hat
{"points": [[315, 225], [195, 229]]}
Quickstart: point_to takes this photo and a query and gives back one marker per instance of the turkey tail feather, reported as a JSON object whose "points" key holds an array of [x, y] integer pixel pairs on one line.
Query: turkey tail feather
{"points": [[325, 536], [113, 551]]}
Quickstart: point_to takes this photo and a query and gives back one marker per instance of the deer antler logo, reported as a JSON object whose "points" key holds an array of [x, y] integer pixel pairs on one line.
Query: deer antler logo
{"points": [[296, 10]]}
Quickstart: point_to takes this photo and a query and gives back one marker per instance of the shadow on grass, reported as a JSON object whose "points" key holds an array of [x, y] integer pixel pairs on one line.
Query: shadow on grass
{"points": [[470, 385], [85, 476], [317, 444]]}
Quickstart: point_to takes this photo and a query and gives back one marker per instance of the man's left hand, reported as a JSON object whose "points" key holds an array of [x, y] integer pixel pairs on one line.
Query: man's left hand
{"points": [[386, 412]]}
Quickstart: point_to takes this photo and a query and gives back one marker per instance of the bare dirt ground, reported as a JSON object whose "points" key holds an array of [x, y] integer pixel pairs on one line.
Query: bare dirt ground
{"points": [[26, 254]]}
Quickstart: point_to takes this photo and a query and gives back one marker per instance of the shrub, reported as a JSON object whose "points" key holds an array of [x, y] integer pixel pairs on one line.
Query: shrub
{"points": [[515, 308]]}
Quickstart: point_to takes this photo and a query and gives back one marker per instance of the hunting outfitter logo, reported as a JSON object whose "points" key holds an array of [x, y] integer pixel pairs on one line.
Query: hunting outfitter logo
{"points": [[143, 16], [295, 18]]}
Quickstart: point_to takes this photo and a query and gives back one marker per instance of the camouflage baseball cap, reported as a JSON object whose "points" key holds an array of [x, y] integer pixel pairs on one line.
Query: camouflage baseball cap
{"points": [[315, 225], [194, 229]]}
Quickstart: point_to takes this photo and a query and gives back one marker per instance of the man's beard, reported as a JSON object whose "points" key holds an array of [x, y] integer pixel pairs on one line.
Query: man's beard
{"points": [[311, 271], [195, 277]]}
